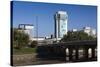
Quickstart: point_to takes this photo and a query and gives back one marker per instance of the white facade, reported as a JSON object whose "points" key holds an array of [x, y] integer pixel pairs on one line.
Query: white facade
{"points": [[42, 40], [74, 30], [27, 28], [90, 31], [87, 30], [93, 32], [61, 19], [38, 39]]}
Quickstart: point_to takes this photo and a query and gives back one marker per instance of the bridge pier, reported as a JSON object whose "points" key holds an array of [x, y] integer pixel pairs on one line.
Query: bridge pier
{"points": [[86, 54], [70, 54], [77, 54], [93, 52]]}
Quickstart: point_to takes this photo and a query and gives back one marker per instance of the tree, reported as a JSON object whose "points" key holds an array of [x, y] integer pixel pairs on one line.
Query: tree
{"points": [[76, 36], [33, 44], [20, 39]]}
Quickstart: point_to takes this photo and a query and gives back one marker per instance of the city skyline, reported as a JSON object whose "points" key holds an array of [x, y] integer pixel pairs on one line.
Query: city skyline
{"points": [[79, 16]]}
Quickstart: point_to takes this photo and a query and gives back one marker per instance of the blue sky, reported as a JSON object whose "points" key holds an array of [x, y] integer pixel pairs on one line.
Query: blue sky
{"points": [[79, 16]]}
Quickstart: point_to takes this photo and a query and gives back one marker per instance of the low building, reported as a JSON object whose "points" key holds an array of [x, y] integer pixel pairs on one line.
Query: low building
{"points": [[90, 31], [27, 28], [43, 40], [74, 30]]}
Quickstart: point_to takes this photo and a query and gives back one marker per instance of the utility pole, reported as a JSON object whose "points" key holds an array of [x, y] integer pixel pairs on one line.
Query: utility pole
{"points": [[37, 27]]}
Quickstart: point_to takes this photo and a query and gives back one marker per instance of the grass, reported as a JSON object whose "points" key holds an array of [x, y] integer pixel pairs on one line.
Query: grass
{"points": [[24, 51]]}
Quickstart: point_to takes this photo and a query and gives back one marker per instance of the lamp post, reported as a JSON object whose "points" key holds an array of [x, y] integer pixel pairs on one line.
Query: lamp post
{"points": [[37, 27]]}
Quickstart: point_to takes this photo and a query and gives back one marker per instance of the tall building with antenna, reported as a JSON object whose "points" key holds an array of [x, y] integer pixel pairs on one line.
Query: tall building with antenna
{"points": [[61, 19]]}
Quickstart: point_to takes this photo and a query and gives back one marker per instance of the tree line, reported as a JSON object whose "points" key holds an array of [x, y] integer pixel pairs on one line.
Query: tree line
{"points": [[21, 39], [77, 36]]}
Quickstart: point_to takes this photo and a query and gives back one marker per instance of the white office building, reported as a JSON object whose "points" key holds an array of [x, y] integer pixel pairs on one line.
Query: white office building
{"points": [[61, 19]]}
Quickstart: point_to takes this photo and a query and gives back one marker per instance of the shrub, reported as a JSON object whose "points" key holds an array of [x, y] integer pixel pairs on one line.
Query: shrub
{"points": [[33, 44]]}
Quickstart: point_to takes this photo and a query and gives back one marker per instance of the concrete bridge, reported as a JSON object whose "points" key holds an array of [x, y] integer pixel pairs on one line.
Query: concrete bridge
{"points": [[73, 51]]}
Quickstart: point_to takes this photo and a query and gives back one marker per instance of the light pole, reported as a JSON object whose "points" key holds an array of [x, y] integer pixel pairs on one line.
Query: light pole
{"points": [[37, 27]]}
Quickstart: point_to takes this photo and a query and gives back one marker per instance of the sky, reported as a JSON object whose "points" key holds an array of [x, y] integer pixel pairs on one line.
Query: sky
{"points": [[79, 16]]}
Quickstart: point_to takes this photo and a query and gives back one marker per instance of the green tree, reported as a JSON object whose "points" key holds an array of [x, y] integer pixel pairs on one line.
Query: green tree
{"points": [[33, 44], [76, 36], [20, 39]]}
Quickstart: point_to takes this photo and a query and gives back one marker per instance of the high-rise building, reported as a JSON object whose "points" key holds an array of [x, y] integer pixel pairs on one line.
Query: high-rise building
{"points": [[61, 19]]}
